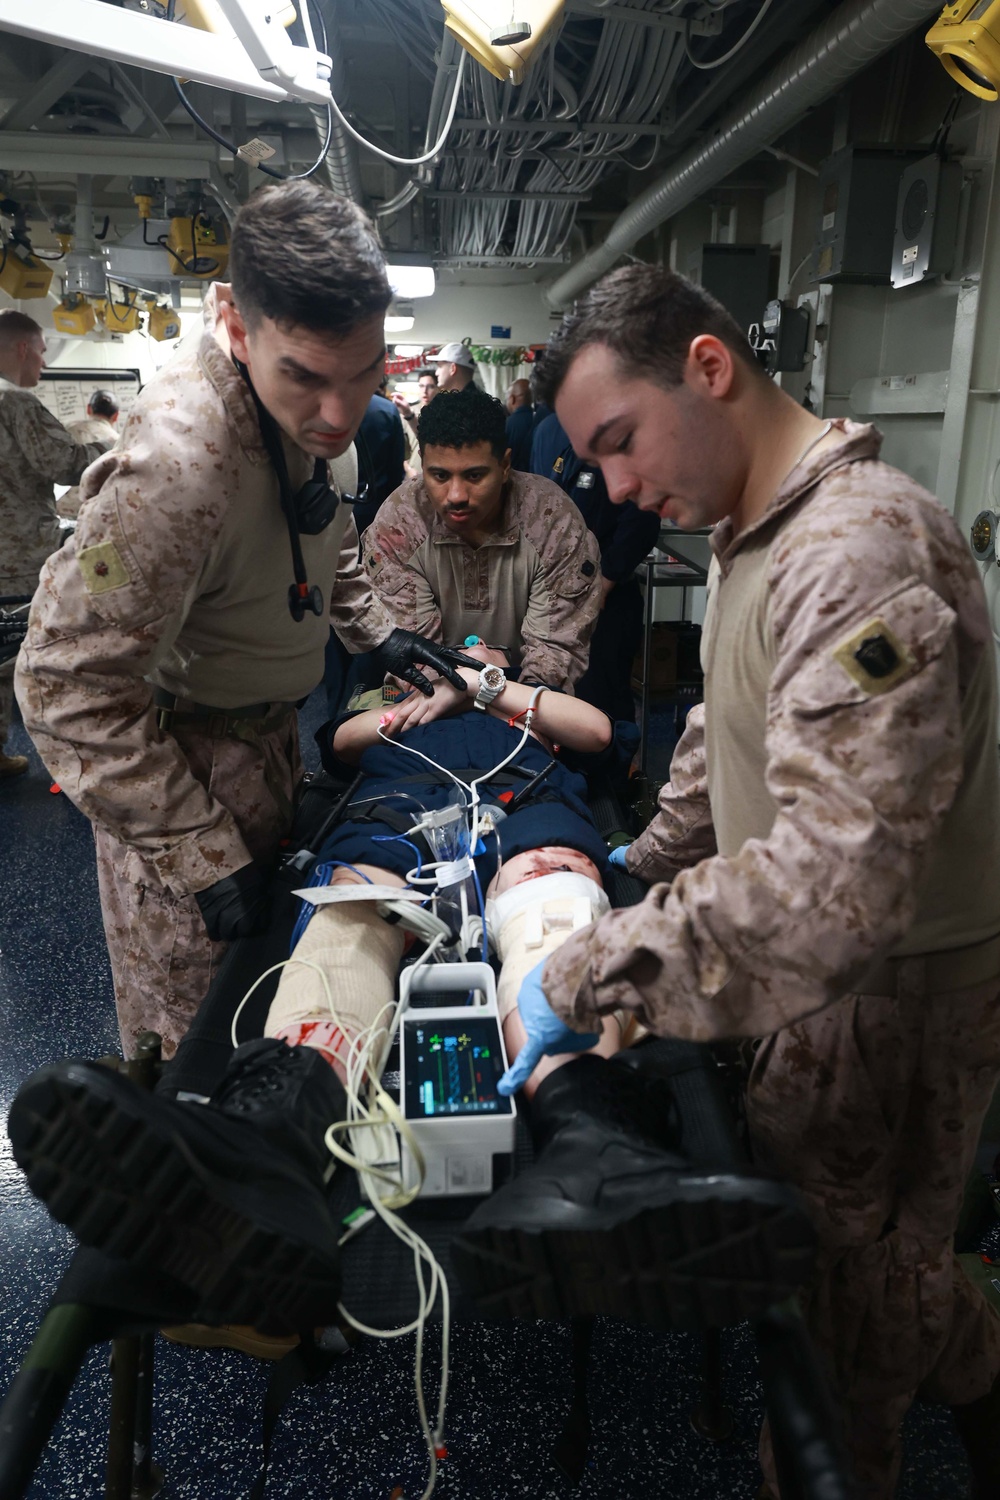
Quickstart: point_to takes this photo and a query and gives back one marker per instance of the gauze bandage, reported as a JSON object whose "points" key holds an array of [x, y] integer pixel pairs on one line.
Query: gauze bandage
{"points": [[359, 952], [531, 920]]}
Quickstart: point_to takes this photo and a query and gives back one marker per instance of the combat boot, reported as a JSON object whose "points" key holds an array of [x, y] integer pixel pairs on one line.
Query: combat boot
{"points": [[13, 765], [978, 1425], [611, 1219], [226, 1198]]}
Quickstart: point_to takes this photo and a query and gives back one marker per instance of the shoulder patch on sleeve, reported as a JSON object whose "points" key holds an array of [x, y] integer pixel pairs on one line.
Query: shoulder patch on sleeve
{"points": [[874, 657], [102, 568]]}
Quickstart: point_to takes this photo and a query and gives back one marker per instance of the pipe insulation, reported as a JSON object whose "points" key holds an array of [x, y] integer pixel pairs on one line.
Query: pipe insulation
{"points": [[854, 36], [343, 170]]}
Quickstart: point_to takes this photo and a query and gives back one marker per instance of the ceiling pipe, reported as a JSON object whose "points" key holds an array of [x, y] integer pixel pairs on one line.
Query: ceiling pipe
{"points": [[850, 39], [343, 169]]}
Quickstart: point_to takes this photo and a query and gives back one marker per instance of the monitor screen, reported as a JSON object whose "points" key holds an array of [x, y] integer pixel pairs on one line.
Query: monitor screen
{"points": [[452, 1067]]}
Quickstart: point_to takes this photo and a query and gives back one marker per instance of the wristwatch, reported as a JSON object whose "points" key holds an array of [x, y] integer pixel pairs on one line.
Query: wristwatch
{"points": [[492, 681]]}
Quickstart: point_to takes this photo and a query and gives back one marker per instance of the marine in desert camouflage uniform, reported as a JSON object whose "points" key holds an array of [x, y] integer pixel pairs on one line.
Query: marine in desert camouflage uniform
{"points": [[98, 426], [36, 452], [825, 866], [476, 548], [162, 665]]}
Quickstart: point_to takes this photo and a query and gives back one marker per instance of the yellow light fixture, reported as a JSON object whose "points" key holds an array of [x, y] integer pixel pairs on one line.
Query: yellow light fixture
{"points": [[520, 26], [22, 276], [119, 317], [966, 37], [75, 316], [164, 323], [196, 248]]}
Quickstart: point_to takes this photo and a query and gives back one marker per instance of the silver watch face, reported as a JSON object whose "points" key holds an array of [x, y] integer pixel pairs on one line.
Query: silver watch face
{"points": [[493, 678]]}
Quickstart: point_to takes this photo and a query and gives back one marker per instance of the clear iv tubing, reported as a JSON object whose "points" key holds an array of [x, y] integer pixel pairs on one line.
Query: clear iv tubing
{"points": [[472, 788]]}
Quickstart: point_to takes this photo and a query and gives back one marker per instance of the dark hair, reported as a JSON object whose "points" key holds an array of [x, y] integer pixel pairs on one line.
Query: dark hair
{"points": [[16, 326], [457, 419], [306, 258], [103, 404], [648, 317]]}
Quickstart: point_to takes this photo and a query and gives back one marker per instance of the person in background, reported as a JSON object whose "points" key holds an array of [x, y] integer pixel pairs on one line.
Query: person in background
{"points": [[520, 424], [625, 535], [381, 446], [428, 385], [456, 367], [98, 426], [36, 452], [475, 548]]}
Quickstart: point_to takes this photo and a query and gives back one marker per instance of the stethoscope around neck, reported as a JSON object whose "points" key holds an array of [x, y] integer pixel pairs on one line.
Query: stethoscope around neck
{"points": [[308, 512]]}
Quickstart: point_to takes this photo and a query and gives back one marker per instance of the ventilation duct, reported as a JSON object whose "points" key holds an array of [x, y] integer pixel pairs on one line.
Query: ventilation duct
{"points": [[852, 38]]}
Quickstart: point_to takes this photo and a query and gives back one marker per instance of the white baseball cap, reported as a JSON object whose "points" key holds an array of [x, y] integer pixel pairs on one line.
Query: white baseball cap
{"points": [[453, 354]]}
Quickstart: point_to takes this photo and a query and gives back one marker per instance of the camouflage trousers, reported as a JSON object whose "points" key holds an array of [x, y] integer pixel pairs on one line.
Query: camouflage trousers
{"points": [[873, 1108], [162, 959]]}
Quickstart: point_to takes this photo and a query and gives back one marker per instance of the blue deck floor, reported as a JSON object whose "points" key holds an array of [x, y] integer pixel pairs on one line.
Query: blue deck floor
{"points": [[357, 1435]]}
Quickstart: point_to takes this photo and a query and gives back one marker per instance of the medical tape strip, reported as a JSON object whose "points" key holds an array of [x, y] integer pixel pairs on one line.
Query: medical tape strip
{"points": [[453, 872]]}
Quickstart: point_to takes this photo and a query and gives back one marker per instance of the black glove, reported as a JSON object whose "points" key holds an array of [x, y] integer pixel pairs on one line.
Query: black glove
{"points": [[400, 652], [237, 905]]}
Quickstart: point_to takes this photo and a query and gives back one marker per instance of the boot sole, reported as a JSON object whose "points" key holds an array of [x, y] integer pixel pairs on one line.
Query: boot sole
{"points": [[697, 1261], [139, 1194]]}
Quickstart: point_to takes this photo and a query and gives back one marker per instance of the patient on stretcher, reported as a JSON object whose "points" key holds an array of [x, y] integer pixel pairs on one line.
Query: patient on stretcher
{"points": [[545, 837], [225, 1204]]}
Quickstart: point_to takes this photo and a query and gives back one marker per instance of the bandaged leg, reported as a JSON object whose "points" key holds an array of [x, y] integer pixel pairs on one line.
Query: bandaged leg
{"points": [[359, 953], [529, 919]]}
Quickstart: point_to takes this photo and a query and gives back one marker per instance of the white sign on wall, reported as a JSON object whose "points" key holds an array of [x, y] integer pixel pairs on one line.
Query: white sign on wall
{"points": [[66, 392]]}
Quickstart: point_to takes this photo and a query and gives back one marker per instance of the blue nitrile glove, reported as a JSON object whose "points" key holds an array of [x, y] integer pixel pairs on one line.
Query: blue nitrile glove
{"points": [[617, 856], [546, 1033]]}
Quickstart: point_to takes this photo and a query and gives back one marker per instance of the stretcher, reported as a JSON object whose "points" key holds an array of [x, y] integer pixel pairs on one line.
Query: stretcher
{"points": [[13, 624], [100, 1299]]}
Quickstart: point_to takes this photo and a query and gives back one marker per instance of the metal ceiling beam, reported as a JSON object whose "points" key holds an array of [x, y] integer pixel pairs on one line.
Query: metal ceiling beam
{"points": [[115, 156], [143, 40], [46, 91]]}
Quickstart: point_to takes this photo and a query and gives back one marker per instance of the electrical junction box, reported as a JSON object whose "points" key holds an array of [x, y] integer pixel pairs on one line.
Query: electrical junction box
{"points": [[926, 220], [451, 1058], [858, 187], [781, 339]]}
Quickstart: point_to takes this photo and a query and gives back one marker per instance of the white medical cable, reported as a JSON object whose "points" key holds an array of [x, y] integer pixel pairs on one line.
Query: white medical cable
{"points": [[360, 1061], [410, 161], [717, 62]]}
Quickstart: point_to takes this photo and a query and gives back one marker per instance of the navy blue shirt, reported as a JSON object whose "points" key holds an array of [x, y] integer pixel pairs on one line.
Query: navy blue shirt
{"points": [[519, 428], [624, 533], [381, 450]]}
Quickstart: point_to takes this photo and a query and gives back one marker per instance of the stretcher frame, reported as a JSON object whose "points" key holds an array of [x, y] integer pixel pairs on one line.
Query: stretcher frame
{"points": [[805, 1427]]}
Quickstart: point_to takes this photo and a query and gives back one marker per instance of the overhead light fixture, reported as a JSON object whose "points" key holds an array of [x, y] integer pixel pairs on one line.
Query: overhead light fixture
{"points": [[411, 281], [511, 34], [966, 37], [407, 351], [395, 324]]}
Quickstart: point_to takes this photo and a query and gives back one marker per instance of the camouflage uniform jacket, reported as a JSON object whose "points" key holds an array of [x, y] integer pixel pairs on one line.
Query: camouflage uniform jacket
{"points": [[858, 715], [178, 571], [87, 430], [533, 586], [36, 452]]}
